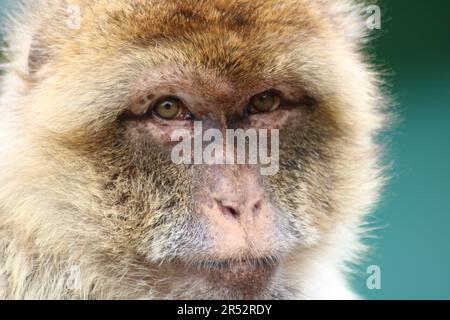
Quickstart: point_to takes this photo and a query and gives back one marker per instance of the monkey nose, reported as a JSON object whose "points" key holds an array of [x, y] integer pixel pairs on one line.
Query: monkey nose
{"points": [[236, 193], [251, 206], [238, 214]]}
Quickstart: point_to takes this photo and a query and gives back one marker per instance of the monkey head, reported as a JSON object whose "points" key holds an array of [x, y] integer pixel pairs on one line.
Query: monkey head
{"points": [[91, 137]]}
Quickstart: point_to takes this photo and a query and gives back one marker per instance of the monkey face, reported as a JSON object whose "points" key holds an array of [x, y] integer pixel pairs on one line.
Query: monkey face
{"points": [[107, 105]]}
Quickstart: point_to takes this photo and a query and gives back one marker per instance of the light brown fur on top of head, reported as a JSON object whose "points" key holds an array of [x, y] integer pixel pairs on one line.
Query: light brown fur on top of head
{"points": [[74, 194]]}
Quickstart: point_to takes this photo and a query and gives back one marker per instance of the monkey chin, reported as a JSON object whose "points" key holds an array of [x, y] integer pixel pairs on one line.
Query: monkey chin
{"points": [[234, 279], [240, 274]]}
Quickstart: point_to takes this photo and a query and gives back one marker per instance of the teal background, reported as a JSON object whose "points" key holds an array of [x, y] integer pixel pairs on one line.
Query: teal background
{"points": [[411, 245]]}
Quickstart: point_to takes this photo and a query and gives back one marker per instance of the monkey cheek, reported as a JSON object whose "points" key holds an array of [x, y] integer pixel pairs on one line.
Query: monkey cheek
{"points": [[158, 132]]}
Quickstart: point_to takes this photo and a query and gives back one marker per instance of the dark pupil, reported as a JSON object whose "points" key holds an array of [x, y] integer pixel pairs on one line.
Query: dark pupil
{"points": [[265, 101], [167, 105]]}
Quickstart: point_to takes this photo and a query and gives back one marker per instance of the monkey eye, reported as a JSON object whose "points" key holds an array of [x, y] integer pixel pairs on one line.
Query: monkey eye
{"points": [[264, 102], [171, 109]]}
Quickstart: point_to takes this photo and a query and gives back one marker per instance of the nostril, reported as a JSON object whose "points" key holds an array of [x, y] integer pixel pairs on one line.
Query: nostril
{"points": [[227, 210], [257, 207], [231, 211]]}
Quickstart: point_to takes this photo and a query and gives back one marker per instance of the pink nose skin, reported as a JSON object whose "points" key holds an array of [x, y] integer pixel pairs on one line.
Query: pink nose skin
{"points": [[235, 209], [239, 215]]}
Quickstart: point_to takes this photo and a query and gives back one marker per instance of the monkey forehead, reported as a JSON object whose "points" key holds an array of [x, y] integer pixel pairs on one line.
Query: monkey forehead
{"points": [[214, 33], [144, 21], [241, 39], [237, 38], [170, 78]]}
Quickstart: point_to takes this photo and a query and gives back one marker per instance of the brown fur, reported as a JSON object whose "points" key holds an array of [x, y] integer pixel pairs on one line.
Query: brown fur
{"points": [[88, 212]]}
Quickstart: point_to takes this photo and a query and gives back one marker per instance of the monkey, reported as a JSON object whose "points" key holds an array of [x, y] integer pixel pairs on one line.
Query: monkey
{"points": [[92, 205]]}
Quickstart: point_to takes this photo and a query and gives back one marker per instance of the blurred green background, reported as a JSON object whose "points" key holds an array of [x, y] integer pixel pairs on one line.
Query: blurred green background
{"points": [[412, 246]]}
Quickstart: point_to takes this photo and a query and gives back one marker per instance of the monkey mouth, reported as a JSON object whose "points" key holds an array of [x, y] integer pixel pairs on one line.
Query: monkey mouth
{"points": [[247, 278], [241, 266]]}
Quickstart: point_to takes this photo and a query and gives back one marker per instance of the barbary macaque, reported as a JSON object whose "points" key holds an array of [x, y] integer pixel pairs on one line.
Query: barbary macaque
{"points": [[92, 203]]}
